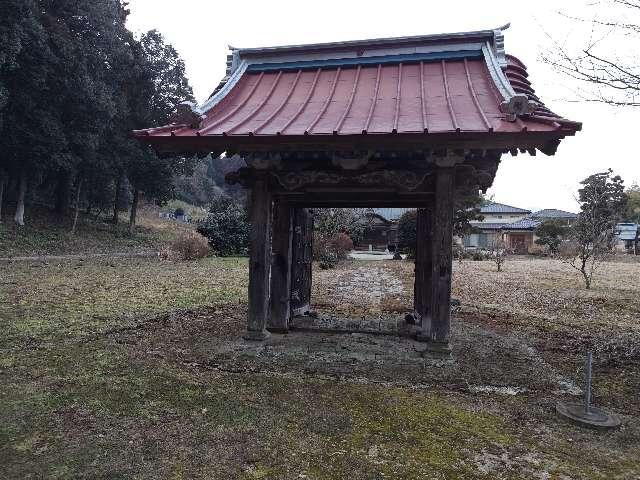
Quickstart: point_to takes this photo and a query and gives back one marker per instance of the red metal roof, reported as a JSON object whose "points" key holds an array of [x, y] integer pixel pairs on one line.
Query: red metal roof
{"points": [[457, 92]]}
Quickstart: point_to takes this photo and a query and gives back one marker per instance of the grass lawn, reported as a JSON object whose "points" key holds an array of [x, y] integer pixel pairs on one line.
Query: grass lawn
{"points": [[93, 387]]}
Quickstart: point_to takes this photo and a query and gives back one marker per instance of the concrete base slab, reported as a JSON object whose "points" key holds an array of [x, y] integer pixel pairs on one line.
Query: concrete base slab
{"points": [[332, 324]]}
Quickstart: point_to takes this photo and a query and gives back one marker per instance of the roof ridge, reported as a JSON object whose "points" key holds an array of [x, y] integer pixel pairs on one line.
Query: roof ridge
{"points": [[505, 205], [379, 41]]}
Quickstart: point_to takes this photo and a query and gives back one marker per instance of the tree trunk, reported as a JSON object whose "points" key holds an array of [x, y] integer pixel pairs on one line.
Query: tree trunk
{"points": [[22, 191], [583, 270], [63, 192], [2, 184], [134, 210], [75, 217], [116, 200]]}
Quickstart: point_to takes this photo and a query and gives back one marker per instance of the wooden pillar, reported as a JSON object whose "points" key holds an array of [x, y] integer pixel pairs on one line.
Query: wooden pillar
{"points": [[422, 282], [281, 268], [259, 261], [301, 262], [437, 324]]}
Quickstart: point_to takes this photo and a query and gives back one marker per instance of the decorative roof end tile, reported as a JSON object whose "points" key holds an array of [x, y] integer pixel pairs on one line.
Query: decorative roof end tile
{"points": [[517, 106]]}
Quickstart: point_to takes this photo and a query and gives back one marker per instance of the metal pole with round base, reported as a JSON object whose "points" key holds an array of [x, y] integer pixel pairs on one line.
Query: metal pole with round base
{"points": [[584, 414]]}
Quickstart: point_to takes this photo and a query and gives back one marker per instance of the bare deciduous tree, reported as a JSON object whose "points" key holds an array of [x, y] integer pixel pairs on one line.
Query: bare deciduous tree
{"points": [[608, 73], [498, 251]]}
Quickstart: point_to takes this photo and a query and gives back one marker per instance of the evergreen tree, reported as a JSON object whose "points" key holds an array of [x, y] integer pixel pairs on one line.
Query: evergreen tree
{"points": [[602, 204], [550, 234], [32, 136], [74, 82], [157, 88], [92, 46], [632, 213]]}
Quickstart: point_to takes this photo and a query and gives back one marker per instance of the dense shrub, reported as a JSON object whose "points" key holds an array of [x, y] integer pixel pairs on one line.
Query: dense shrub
{"points": [[327, 259], [329, 250], [227, 227], [189, 245], [551, 234], [407, 231], [343, 245], [330, 222], [479, 255]]}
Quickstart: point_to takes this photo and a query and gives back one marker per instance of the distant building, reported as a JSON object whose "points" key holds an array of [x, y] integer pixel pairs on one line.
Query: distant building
{"points": [[628, 237], [515, 225], [172, 216], [553, 214], [498, 219], [382, 231]]}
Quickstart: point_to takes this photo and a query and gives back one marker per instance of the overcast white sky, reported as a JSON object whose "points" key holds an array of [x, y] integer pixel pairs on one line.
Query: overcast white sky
{"points": [[201, 30]]}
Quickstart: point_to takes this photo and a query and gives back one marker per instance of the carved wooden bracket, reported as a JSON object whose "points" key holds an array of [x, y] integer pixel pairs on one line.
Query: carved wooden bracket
{"points": [[400, 179], [264, 161], [351, 163]]}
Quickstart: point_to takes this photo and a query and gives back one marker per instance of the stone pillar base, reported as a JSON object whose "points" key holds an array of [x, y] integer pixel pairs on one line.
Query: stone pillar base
{"points": [[438, 347], [433, 346], [423, 337], [280, 330]]}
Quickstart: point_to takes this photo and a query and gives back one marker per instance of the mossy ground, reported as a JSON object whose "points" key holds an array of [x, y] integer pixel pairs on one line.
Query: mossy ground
{"points": [[46, 234], [81, 402]]}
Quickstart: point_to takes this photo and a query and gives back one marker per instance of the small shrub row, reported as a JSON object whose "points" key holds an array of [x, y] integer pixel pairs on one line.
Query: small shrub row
{"points": [[462, 253]]}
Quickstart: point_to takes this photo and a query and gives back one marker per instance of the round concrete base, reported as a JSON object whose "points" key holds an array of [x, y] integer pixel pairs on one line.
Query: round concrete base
{"points": [[256, 336], [594, 418]]}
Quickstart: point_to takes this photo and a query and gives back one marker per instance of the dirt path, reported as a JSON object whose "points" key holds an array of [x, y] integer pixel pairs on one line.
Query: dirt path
{"points": [[362, 288], [62, 258]]}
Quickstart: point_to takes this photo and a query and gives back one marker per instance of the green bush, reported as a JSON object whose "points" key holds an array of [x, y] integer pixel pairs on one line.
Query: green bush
{"points": [[227, 227]]}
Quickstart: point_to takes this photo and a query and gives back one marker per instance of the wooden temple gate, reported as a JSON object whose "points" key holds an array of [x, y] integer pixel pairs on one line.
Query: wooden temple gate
{"points": [[405, 122]]}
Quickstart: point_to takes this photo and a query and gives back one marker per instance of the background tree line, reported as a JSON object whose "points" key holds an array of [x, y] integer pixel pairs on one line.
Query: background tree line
{"points": [[74, 82]]}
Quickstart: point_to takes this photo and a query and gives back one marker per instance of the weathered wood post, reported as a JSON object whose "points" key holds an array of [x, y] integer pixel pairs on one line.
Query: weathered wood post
{"points": [[301, 262], [422, 282], [259, 261], [436, 325], [281, 245]]}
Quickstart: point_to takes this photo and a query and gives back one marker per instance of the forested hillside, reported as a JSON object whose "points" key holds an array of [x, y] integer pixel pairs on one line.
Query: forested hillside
{"points": [[207, 181], [74, 82]]}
